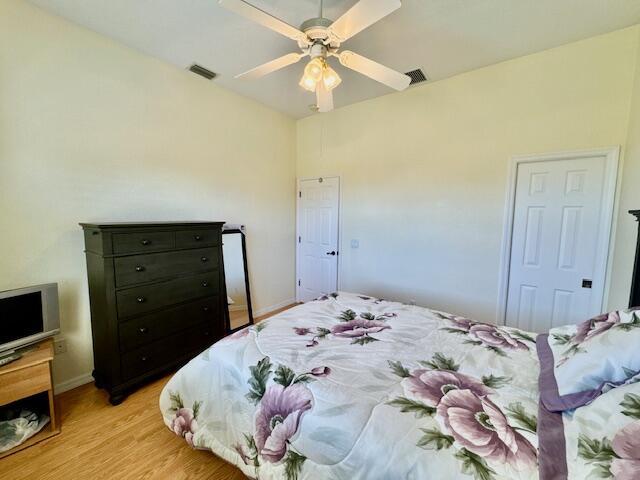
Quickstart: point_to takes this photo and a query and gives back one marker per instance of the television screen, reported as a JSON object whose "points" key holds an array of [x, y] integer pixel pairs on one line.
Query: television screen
{"points": [[20, 316]]}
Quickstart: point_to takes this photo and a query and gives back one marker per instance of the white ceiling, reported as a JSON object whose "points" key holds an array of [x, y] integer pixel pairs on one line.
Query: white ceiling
{"points": [[443, 37]]}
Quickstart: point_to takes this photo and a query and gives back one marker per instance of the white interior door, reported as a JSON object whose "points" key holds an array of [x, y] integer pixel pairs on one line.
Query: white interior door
{"points": [[556, 271], [317, 262]]}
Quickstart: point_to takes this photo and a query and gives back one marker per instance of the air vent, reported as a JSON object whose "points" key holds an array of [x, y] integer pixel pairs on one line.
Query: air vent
{"points": [[203, 72], [417, 76]]}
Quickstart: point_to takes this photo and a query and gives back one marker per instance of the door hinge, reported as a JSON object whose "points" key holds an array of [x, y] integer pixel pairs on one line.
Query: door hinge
{"points": [[299, 194], [298, 282], [299, 239]]}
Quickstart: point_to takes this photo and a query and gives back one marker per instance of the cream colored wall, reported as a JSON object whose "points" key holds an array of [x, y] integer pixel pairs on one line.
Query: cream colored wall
{"points": [[629, 195], [424, 171], [91, 130]]}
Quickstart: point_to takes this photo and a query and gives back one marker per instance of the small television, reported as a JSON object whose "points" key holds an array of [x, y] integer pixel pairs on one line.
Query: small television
{"points": [[28, 315]]}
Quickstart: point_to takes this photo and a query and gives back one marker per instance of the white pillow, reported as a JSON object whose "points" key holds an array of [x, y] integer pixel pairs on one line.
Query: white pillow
{"points": [[579, 362]]}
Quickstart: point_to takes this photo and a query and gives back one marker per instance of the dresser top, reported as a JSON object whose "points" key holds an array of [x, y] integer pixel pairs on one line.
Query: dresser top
{"points": [[149, 224]]}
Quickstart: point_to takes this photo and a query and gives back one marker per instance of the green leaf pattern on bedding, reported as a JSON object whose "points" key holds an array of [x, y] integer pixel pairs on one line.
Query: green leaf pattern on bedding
{"points": [[367, 377], [359, 328], [578, 342], [467, 419], [280, 409], [496, 339], [618, 457]]}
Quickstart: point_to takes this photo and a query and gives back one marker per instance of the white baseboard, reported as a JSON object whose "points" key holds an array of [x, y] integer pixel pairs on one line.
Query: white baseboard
{"points": [[271, 308], [72, 383]]}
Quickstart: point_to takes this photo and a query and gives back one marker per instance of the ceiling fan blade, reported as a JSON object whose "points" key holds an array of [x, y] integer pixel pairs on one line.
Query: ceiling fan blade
{"points": [[271, 66], [263, 18], [360, 16], [371, 69], [324, 98]]}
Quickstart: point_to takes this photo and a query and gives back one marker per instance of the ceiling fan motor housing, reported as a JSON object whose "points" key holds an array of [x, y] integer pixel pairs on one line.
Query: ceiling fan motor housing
{"points": [[318, 49], [316, 29]]}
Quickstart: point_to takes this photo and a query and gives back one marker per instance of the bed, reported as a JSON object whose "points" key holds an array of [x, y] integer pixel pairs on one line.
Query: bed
{"points": [[354, 387]]}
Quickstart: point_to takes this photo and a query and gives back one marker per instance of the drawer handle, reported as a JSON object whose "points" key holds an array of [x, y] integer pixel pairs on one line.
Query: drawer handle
{"points": [[205, 284], [206, 334], [205, 309], [140, 268], [145, 242], [144, 359], [143, 329], [197, 238], [204, 259], [141, 299]]}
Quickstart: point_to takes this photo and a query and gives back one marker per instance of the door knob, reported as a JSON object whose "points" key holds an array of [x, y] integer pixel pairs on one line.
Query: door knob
{"points": [[332, 253]]}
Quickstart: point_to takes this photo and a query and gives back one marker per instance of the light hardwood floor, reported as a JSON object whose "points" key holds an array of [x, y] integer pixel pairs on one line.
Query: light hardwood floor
{"points": [[129, 441]]}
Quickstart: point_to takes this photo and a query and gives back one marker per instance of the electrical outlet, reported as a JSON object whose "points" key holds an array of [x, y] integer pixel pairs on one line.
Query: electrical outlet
{"points": [[60, 346]]}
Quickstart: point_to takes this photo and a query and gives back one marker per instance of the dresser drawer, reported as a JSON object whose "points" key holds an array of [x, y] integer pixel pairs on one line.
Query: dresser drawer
{"points": [[154, 326], [197, 238], [136, 242], [154, 266], [163, 352], [138, 300]]}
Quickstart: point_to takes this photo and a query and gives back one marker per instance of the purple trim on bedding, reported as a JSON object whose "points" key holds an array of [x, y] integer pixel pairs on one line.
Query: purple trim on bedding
{"points": [[549, 394], [552, 449]]}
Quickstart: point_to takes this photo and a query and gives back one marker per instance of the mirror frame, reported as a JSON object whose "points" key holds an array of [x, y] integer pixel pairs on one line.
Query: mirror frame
{"points": [[242, 233]]}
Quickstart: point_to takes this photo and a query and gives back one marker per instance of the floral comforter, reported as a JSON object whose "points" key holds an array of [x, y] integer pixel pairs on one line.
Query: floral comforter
{"points": [[352, 387]]}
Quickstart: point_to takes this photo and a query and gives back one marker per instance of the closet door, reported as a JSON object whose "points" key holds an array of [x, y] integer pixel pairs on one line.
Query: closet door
{"points": [[554, 273], [317, 259]]}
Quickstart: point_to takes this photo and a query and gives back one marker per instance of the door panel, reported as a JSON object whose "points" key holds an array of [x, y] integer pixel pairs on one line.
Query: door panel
{"points": [[318, 237], [535, 218], [554, 242]]}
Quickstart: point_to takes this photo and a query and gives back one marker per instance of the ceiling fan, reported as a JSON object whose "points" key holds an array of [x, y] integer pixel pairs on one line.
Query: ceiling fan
{"points": [[320, 38]]}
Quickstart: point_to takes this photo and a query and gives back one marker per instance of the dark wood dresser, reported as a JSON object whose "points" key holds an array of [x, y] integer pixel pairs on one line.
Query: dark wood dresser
{"points": [[157, 298], [634, 299]]}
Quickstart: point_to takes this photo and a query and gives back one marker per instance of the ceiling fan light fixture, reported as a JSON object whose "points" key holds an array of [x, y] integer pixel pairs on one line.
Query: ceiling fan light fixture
{"points": [[315, 68], [330, 78], [313, 73], [318, 70], [308, 83]]}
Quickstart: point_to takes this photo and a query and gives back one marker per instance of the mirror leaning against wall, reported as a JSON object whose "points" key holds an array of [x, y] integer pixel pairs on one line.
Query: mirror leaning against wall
{"points": [[234, 252]]}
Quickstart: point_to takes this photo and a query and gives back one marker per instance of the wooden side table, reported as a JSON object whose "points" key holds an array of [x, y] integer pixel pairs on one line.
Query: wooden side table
{"points": [[28, 376]]}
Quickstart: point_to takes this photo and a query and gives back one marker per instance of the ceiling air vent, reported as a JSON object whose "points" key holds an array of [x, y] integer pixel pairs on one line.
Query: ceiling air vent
{"points": [[203, 72], [417, 76]]}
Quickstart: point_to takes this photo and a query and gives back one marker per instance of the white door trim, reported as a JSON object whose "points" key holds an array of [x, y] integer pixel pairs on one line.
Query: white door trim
{"points": [[601, 273], [339, 259]]}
